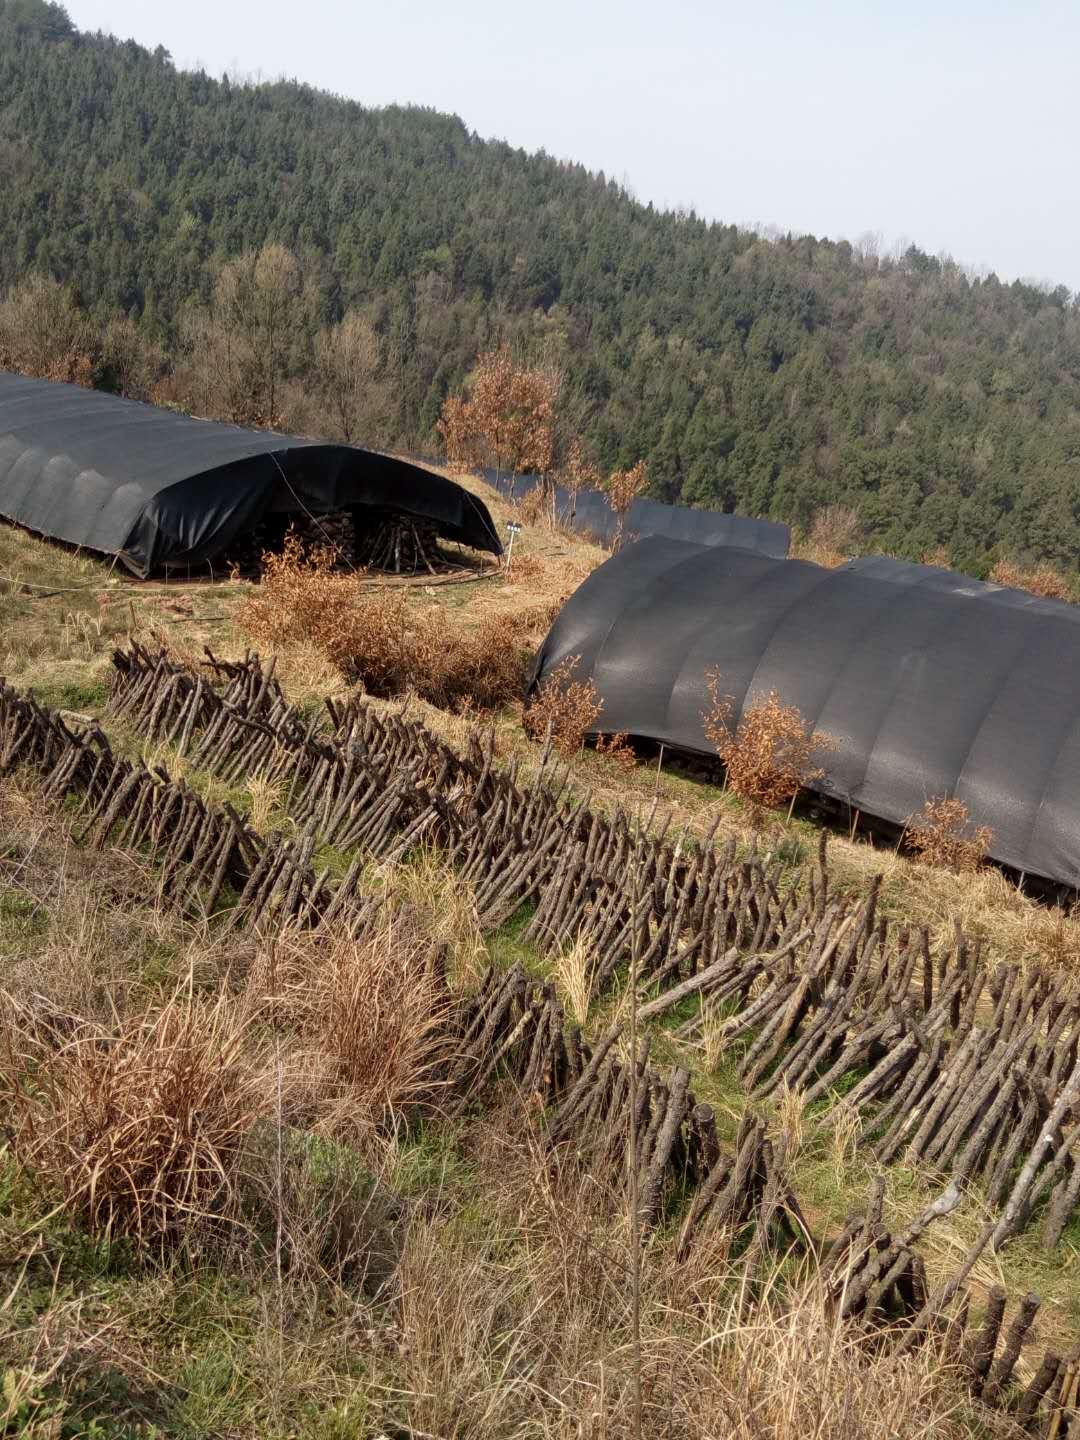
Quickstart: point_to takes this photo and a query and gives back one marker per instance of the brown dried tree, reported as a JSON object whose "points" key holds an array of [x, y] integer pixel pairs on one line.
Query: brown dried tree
{"points": [[459, 438], [770, 754], [578, 472], [623, 487], [507, 419]]}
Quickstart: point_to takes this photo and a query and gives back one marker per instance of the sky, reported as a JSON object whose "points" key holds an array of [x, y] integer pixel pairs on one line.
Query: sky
{"points": [[951, 125]]}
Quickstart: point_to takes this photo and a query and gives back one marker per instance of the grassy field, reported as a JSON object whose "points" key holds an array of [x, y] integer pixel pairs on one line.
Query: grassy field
{"points": [[431, 1278]]}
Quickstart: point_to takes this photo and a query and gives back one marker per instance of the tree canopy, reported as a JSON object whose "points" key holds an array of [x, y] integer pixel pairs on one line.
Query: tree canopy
{"points": [[768, 375]]}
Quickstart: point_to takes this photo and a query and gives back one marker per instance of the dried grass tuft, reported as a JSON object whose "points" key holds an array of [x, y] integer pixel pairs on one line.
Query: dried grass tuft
{"points": [[369, 1021], [137, 1129]]}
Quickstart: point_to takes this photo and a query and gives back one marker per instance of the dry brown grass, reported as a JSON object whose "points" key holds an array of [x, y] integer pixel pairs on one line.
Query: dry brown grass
{"points": [[769, 754], [495, 1301], [366, 1024], [563, 707], [519, 1322], [1042, 580], [942, 835], [136, 1128]]}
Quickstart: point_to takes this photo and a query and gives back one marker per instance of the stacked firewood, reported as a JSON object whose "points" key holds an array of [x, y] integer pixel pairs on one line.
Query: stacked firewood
{"points": [[400, 544], [945, 1062], [599, 1101], [336, 528]]}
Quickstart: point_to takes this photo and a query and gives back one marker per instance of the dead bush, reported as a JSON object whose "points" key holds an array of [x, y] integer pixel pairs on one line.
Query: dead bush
{"points": [[379, 639], [769, 754], [566, 706], [302, 598], [137, 1129], [1042, 580], [456, 668], [942, 835], [837, 529], [938, 557], [623, 488], [618, 748], [536, 507]]}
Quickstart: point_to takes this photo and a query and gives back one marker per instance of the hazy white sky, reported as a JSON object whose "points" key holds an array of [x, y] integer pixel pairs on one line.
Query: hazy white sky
{"points": [[953, 124]]}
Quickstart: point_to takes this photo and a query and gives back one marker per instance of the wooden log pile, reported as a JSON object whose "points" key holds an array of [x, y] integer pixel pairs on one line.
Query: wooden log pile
{"points": [[400, 544], [337, 528], [822, 988], [209, 858], [947, 1064]]}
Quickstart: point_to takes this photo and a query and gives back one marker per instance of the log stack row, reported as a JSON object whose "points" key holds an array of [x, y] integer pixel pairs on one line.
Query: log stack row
{"points": [[599, 1100], [946, 1063]]}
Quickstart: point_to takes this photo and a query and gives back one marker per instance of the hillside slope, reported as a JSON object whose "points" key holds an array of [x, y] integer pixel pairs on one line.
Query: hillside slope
{"points": [[766, 376]]}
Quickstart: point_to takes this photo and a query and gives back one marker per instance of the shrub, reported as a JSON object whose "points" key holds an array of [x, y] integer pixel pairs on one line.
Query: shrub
{"points": [[942, 835], [769, 755], [566, 706], [301, 598], [457, 669], [837, 530], [618, 748], [136, 1129], [378, 639], [1042, 580]]}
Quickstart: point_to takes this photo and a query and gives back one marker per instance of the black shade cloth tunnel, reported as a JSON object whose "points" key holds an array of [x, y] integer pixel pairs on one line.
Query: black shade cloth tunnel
{"points": [[931, 683], [158, 489], [589, 513]]}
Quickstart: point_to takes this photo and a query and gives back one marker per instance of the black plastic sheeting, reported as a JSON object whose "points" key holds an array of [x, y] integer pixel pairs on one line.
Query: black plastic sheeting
{"points": [[932, 684], [156, 488], [903, 572], [591, 516]]}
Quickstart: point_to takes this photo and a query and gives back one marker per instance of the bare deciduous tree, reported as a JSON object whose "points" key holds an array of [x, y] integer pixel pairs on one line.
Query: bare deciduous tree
{"points": [[239, 348], [348, 361], [44, 333]]}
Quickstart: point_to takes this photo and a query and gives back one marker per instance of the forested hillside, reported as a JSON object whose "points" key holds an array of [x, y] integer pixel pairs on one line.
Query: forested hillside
{"points": [[769, 376]]}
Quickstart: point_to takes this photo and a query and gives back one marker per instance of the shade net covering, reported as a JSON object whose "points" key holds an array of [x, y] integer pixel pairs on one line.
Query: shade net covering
{"points": [[929, 687], [589, 514], [156, 488]]}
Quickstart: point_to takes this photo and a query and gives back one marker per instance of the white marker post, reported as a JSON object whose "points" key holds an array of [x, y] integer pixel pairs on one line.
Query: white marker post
{"points": [[514, 528]]}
